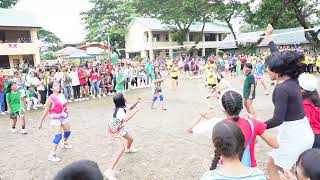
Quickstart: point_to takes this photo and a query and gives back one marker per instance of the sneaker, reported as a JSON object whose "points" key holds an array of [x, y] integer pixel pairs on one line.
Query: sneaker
{"points": [[67, 146], [76, 100], [69, 101], [83, 99], [13, 130], [99, 96], [80, 100], [3, 113], [109, 174], [104, 95], [24, 131], [53, 157], [35, 108], [266, 92], [86, 98], [28, 109], [93, 97], [131, 150]]}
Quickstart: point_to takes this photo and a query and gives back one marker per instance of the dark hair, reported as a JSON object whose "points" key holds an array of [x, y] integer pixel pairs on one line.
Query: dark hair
{"points": [[9, 87], [50, 85], [228, 141], [83, 169], [309, 160], [119, 102], [248, 65], [232, 103], [286, 63], [312, 96]]}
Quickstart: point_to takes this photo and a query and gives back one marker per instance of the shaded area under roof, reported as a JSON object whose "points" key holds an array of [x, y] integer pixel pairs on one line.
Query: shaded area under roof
{"points": [[17, 18], [67, 51], [296, 36], [80, 55], [156, 25]]}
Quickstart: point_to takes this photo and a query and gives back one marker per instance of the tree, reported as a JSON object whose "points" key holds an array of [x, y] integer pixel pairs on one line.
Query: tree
{"points": [[7, 3], [49, 55], [50, 40], [108, 20]]}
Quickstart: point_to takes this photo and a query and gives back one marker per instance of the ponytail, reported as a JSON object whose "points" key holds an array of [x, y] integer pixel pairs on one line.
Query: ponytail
{"points": [[215, 160]]}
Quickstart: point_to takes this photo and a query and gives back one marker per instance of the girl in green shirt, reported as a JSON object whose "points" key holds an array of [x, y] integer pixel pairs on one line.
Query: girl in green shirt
{"points": [[120, 81], [15, 100]]}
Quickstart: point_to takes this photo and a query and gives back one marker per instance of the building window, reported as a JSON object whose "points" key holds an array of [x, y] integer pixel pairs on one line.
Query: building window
{"points": [[191, 37], [210, 37], [167, 37], [156, 37], [221, 37]]}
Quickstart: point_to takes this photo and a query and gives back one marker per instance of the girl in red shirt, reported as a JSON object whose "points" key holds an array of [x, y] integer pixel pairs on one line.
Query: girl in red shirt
{"points": [[311, 104], [94, 82], [83, 82]]}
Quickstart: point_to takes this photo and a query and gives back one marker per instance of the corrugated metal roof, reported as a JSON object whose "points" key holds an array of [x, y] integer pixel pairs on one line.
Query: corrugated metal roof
{"points": [[156, 25], [285, 39], [17, 18]]}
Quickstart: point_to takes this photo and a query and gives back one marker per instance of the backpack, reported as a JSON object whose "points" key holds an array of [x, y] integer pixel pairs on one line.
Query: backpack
{"points": [[246, 158]]}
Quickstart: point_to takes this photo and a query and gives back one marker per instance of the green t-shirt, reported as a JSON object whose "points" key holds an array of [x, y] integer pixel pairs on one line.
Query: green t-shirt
{"points": [[14, 100], [247, 86], [5, 86], [120, 83], [149, 68], [31, 93]]}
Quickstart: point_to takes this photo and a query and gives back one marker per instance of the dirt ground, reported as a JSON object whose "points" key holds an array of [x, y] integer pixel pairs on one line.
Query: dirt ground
{"points": [[166, 151]]}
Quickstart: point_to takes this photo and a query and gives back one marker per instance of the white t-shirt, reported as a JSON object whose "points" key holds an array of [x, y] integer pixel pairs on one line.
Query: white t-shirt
{"points": [[74, 78], [121, 114]]}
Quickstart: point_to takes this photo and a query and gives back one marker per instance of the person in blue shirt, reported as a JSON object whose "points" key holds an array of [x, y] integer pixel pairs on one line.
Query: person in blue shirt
{"points": [[258, 74]]}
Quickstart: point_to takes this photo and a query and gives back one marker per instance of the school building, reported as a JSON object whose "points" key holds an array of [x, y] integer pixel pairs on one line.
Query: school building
{"points": [[148, 37], [18, 39]]}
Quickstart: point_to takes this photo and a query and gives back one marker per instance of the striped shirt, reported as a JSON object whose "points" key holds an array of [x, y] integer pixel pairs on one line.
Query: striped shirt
{"points": [[255, 174]]}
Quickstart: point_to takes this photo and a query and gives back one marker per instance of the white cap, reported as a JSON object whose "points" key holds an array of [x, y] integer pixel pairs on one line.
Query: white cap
{"points": [[308, 82]]}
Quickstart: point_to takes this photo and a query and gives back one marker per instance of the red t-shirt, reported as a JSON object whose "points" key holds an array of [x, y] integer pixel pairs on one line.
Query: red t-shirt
{"points": [[259, 128], [243, 60], [94, 76], [313, 114], [2, 80], [82, 77]]}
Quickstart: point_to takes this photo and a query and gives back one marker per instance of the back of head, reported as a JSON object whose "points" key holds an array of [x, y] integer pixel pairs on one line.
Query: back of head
{"points": [[80, 170], [232, 103], [119, 100], [286, 63], [228, 141], [310, 163]]}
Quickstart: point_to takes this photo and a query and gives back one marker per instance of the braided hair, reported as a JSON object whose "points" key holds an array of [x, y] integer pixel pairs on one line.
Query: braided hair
{"points": [[232, 103], [228, 141]]}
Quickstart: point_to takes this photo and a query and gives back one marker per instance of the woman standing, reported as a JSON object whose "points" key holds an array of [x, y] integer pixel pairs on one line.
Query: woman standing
{"points": [[56, 106], [295, 134], [95, 83]]}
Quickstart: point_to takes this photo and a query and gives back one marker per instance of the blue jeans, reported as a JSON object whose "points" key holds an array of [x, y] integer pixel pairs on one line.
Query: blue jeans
{"points": [[67, 92], [95, 88], [2, 102]]}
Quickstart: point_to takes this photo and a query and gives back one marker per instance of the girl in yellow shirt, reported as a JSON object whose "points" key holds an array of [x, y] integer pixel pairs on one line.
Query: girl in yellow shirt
{"points": [[174, 75]]}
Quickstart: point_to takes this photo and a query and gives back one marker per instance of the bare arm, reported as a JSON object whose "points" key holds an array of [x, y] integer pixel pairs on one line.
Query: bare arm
{"points": [[45, 112], [23, 102], [270, 140], [9, 106], [252, 90]]}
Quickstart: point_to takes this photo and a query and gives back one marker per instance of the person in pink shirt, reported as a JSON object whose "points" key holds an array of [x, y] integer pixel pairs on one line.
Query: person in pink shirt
{"points": [[232, 103], [56, 107], [94, 82], [83, 82]]}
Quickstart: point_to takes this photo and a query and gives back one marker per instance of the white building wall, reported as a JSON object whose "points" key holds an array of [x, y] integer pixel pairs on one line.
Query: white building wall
{"points": [[135, 38]]}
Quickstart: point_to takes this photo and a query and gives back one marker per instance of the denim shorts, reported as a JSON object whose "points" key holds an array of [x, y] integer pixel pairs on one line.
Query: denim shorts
{"points": [[58, 122]]}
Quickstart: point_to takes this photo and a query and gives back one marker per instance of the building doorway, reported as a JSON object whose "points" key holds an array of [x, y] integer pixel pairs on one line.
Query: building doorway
{"points": [[4, 61]]}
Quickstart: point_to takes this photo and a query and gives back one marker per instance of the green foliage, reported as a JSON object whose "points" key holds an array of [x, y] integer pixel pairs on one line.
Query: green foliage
{"points": [[273, 12], [179, 36], [7, 3], [109, 17], [49, 55], [221, 54], [51, 41], [137, 59]]}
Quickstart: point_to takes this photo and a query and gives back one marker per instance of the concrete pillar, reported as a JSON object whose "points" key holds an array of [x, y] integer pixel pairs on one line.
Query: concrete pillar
{"points": [[143, 54], [151, 54], [203, 37], [171, 53], [127, 55], [217, 37], [150, 40], [34, 39], [203, 51], [170, 37]]}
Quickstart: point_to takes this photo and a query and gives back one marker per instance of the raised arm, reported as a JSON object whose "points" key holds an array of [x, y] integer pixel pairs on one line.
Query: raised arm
{"points": [[273, 47]]}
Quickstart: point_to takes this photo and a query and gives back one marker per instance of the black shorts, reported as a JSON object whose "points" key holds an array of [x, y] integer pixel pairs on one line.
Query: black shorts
{"points": [[186, 68], [83, 85], [212, 85], [175, 78], [15, 115]]}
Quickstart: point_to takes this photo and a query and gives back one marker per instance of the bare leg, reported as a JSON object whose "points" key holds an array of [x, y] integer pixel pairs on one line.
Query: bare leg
{"points": [[250, 107], [119, 153], [129, 139], [272, 170], [23, 121], [14, 123]]}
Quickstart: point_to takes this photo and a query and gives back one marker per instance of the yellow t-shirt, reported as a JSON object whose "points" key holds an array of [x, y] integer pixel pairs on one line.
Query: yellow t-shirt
{"points": [[207, 68], [174, 72], [169, 63], [318, 61], [212, 79]]}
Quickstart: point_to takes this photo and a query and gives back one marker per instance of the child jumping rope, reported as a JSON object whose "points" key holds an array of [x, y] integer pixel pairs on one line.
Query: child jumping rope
{"points": [[116, 129], [56, 106], [157, 91], [15, 100]]}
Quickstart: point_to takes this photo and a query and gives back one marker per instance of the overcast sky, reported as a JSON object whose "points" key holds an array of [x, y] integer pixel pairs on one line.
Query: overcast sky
{"points": [[59, 16]]}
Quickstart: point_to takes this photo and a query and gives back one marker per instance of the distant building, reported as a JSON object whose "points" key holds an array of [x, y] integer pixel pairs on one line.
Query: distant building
{"points": [[148, 37], [18, 38], [288, 37]]}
